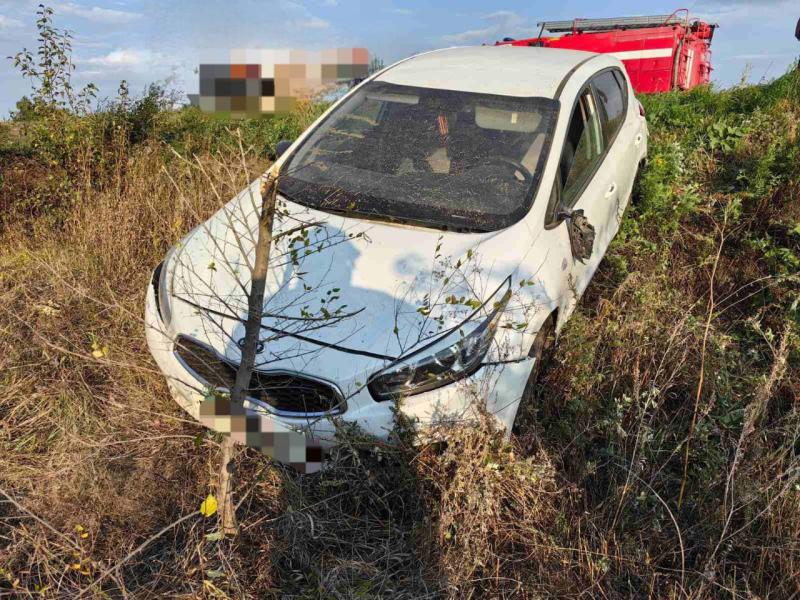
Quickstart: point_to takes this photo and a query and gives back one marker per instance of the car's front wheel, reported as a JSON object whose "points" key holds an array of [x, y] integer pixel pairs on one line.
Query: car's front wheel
{"points": [[541, 350]]}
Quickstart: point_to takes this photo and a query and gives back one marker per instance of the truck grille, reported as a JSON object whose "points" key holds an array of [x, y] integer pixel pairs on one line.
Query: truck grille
{"points": [[284, 392]]}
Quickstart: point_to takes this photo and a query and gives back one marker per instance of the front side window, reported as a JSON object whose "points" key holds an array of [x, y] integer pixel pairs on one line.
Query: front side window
{"points": [[441, 158], [612, 100], [583, 148]]}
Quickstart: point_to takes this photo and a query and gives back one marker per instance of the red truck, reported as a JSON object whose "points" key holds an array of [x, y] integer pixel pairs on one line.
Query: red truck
{"points": [[660, 52]]}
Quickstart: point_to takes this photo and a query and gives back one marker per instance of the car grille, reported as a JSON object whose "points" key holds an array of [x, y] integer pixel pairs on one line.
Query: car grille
{"points": [[282, 391]]}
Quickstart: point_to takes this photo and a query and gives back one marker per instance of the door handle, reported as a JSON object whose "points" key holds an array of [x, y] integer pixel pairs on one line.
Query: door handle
{"points": [[611, 190], [638, 139]]}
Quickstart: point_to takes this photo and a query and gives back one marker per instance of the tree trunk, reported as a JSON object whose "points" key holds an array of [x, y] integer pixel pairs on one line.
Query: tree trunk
{"points": [[228, 524], [252, 329]]}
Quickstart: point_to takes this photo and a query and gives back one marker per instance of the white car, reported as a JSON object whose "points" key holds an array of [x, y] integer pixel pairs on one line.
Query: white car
{"points": [[435, 229]]}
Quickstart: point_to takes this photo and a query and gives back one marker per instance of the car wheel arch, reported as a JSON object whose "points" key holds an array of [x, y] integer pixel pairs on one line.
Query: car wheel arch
{"points": [[556, 327]]}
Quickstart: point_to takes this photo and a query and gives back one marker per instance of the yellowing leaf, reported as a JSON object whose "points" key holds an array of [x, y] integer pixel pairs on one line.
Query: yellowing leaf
{"points": [[209, 506], [98, 351], [50, 309]]}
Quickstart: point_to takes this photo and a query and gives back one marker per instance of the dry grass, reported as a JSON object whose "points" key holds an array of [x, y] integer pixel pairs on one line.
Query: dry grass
{"points": [[87, 441], [104, 474]]}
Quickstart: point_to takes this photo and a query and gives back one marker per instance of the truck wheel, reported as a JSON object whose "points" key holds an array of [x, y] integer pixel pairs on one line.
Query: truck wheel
{"points": [[542, 350]]}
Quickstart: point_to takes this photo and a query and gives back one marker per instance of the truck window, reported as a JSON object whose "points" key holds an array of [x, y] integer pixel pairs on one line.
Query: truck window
{"points": [[612, 102]]}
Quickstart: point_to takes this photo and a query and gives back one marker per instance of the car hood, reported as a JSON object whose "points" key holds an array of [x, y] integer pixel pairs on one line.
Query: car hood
{"points": [[342, 293]]}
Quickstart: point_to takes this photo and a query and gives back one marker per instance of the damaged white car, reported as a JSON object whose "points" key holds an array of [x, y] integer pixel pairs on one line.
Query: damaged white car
{"points": [[434, 230]]}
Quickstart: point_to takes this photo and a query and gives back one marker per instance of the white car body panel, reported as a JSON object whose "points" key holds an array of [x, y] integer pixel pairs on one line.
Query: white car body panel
{"points": [[384, 270], [505, 70]]}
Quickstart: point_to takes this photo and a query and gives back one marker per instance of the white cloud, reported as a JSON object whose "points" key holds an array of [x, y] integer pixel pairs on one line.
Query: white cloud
{"points": [[737, 12], [311, 23], [502, 14], [757, 56], [85, 43], [125, 58], [97, 14], [501, 23], [403, 11], [297, 16], [7, 23], [330, 3], [745, 2], [469, 35]]}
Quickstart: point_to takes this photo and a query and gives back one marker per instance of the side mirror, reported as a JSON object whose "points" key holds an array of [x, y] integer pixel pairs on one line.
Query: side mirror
{"points": [[581, 233], [281, 147], [564, 213]]}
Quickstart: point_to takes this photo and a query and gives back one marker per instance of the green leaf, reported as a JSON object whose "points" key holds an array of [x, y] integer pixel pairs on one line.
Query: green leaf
{"points": [[473, 303]]}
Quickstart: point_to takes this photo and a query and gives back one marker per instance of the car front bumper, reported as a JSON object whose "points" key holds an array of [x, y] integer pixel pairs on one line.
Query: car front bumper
{"points": [[498, 388]]}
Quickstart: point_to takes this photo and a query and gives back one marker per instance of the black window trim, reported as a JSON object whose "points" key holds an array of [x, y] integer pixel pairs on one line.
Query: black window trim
{"points": [[550, 222], [623, 90]]}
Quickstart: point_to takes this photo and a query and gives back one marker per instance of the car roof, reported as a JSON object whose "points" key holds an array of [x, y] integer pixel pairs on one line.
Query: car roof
{"points": [[505, 70]]}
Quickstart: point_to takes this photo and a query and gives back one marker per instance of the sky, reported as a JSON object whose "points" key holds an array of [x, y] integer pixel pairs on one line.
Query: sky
{"points": [[143, 41]]}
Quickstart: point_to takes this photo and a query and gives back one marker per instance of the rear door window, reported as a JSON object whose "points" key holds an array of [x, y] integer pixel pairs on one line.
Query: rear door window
{"points": [[613, 102]]}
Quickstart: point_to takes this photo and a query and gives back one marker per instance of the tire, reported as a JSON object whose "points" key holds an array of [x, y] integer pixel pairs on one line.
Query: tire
{"points": [[542, 350]]}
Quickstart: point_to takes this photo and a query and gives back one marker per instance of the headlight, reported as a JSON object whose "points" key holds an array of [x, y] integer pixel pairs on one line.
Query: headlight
{"points": [[162, 290], [457, 361]]}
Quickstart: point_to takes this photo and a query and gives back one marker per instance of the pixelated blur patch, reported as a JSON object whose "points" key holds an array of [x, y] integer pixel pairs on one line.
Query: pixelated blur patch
{"points": [[260, 82], [260, 431]]}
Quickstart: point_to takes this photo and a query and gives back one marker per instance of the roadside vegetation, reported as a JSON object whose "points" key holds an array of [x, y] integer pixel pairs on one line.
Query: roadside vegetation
{"points": [[663, 459]]}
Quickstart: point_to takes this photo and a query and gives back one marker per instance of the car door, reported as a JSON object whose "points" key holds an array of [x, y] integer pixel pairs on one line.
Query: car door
{"points": [[579, 204], [621, 143]]}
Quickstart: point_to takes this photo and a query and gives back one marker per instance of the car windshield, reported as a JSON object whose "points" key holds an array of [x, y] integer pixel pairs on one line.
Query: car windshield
{"points": [[438, 158]]}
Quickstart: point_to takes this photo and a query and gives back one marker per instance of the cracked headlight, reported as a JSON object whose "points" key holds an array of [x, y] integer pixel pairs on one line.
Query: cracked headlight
{"points": [[460, 359]]}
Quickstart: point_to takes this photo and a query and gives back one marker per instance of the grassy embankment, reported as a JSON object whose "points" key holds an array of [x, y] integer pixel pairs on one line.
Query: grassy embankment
{"points": [[667, 438]]}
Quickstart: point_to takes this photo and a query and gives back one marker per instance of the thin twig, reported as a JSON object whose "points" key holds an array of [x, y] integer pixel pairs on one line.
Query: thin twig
{"points": [[136, 551], [38, 519]]}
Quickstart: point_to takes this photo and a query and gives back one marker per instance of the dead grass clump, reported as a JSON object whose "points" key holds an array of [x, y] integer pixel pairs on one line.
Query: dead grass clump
{"points": [[351, 531], [494, 515], [90, 440], [31, 191]]}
